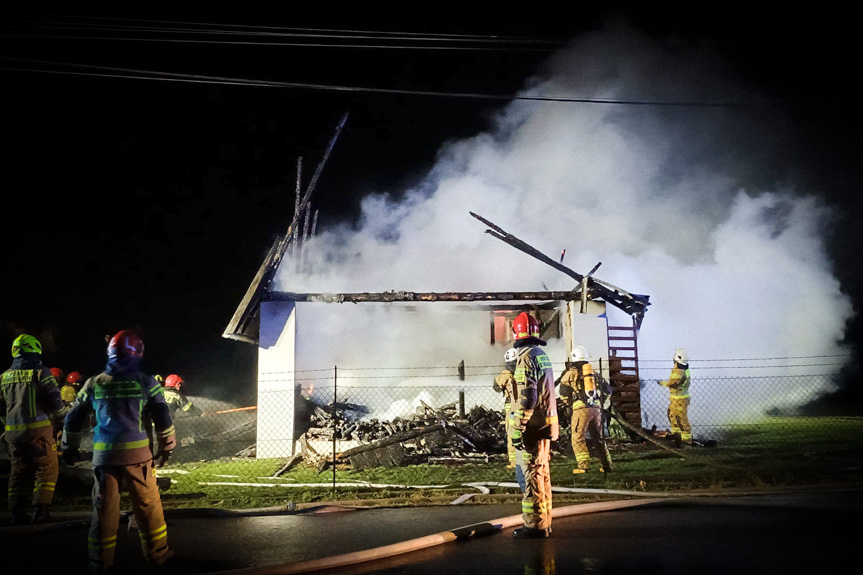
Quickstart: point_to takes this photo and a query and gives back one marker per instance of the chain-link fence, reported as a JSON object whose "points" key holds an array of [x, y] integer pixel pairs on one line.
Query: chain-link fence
{"points": [[435, 414]]}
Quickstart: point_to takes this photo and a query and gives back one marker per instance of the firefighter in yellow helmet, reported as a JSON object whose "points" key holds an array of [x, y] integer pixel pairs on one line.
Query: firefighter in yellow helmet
{"points": [[505, 383], [533, 426], [30, 407], [678, 397], [579, 390], [123, 398]]}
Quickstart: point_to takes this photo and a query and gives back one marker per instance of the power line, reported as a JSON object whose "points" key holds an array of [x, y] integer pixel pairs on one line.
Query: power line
{"points": [[135, 74]]}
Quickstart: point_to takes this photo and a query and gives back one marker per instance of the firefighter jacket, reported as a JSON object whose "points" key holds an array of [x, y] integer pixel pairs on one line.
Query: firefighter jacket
{"points": [[30, 401], [505, 383], [68, 393], [678, 383], [578, 386], [124, 403], [535, 407], [177, 401]]}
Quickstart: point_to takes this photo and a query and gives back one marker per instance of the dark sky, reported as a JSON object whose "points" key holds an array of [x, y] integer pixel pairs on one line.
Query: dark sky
{"points": [[151, 202]]}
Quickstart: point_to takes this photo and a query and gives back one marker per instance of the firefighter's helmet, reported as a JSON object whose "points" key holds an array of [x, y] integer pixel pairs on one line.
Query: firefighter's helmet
{"points": [[524, 326], [25, 344], [74, 378], [125, 343], [579, 354], [510, 355], [681, 355], [160, 379], [174, 381], [59, 374]]}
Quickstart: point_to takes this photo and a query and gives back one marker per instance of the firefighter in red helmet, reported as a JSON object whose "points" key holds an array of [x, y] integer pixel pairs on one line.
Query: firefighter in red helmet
{"points": [[125, 400], [71, 387], [176, 399], [533, 425]]}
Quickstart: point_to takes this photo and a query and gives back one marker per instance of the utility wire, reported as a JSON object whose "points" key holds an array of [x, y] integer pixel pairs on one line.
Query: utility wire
{"points": [[114, 72], [308, 30]]}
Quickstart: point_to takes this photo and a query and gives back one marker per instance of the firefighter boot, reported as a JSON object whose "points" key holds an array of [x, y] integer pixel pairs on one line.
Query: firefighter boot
{"points": [[20, 517], [531, 533], [41, 515]]}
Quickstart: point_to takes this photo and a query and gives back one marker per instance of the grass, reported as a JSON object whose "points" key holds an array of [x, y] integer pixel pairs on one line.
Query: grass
{"points": [[774, 453]]}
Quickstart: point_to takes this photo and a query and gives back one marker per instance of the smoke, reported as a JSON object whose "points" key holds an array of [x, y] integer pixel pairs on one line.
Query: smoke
{"points": [[687, 204]]}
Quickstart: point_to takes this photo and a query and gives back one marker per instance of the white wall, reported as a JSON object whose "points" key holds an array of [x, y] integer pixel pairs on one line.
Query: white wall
{"points": [[590, 330], [276, 380]]}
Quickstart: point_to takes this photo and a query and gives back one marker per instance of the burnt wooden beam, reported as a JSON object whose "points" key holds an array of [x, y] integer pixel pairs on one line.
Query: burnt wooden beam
{"points": [[633, 304], [408, 296]]}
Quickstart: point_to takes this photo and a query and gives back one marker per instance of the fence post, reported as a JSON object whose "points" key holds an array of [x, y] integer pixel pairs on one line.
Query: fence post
{"points": [[335, 420]]}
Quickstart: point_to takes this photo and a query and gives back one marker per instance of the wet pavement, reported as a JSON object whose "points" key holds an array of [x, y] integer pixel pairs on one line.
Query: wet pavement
{"points": [[803, 532]]}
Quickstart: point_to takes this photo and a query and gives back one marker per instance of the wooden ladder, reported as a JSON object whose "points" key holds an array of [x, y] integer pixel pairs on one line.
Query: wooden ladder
{"points": [[623, 372]]}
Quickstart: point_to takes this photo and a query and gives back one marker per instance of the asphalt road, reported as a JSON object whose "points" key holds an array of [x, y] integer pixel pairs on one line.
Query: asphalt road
{"points": [[800, 532]]}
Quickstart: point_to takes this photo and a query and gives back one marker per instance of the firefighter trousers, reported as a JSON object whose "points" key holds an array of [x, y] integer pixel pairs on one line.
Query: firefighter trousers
{"points": [[510, 450], [678, 418], [586, 433], [534, 464], [140, 481], [34, 472]]}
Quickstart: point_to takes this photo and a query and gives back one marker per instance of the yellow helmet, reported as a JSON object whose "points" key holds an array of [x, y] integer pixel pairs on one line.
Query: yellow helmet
{"points": [[25, 344]]}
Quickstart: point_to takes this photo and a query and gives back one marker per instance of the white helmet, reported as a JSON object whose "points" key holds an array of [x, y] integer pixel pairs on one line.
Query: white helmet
{"points": [[681, 355], [579, 354], [510, 355]]}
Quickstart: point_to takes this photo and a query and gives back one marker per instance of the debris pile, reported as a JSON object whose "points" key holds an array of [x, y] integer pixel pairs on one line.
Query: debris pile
{"points": [[442, 435]]}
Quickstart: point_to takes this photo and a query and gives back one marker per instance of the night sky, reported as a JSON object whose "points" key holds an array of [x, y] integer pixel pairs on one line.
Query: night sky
{"points": [[151, 202]]}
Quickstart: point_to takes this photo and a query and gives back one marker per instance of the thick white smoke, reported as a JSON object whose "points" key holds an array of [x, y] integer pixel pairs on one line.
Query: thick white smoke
{"points": [[663, 196]]}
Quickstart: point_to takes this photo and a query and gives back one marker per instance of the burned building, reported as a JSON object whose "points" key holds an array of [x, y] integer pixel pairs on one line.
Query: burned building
{"points": [[286, 328]]}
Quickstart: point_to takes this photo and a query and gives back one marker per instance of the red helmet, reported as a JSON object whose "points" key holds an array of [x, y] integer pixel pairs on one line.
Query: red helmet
{"points": [[524, 326], [58, 373], [74, 378], [125, 343], [174, 381]]}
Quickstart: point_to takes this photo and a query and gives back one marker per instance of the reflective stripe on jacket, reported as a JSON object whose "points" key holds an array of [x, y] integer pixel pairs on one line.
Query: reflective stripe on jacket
{"points": [[124, 405], [678, 383], [536, 406], [577, 385], [29, 400]]}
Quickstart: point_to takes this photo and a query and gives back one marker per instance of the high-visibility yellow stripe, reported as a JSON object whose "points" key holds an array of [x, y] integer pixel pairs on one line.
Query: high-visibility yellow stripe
{"points": [[100, 446], [23, 426]]}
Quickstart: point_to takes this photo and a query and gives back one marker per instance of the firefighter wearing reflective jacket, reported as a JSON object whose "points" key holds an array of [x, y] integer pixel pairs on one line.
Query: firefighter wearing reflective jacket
{"points": [[505, 383], [123, 398], [678, 396], [533, 426], [30, 408], [176, 399], [579, 390]]}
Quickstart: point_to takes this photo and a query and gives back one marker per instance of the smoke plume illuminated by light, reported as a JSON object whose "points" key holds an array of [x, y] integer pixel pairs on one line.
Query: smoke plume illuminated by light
{"points": [[671, 199]]}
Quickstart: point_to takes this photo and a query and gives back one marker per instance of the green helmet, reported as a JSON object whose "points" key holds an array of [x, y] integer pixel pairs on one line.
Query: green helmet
{"points": [[25, 344]]}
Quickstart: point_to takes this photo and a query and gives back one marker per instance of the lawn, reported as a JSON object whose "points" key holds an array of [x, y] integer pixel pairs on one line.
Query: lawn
{"points": [[776, 453]]}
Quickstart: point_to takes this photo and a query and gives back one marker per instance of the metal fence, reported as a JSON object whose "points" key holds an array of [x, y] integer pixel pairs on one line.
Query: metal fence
{"points": [[442, 413]]}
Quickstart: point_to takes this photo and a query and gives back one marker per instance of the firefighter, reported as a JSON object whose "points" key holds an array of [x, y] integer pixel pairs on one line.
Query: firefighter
{"points": [[580, 391], [176, 399], [30, 408], [678, 397], [71, 387], [534, 426], [59, 375], [505, 383], [123, 397]]}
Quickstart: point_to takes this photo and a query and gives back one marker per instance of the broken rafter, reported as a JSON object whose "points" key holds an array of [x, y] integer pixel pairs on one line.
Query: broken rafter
{"points": [[407, 296], [633, 304]]}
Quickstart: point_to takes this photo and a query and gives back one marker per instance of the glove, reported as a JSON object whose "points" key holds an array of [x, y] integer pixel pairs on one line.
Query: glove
{"points": [[163, 457], [71, 455]]}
